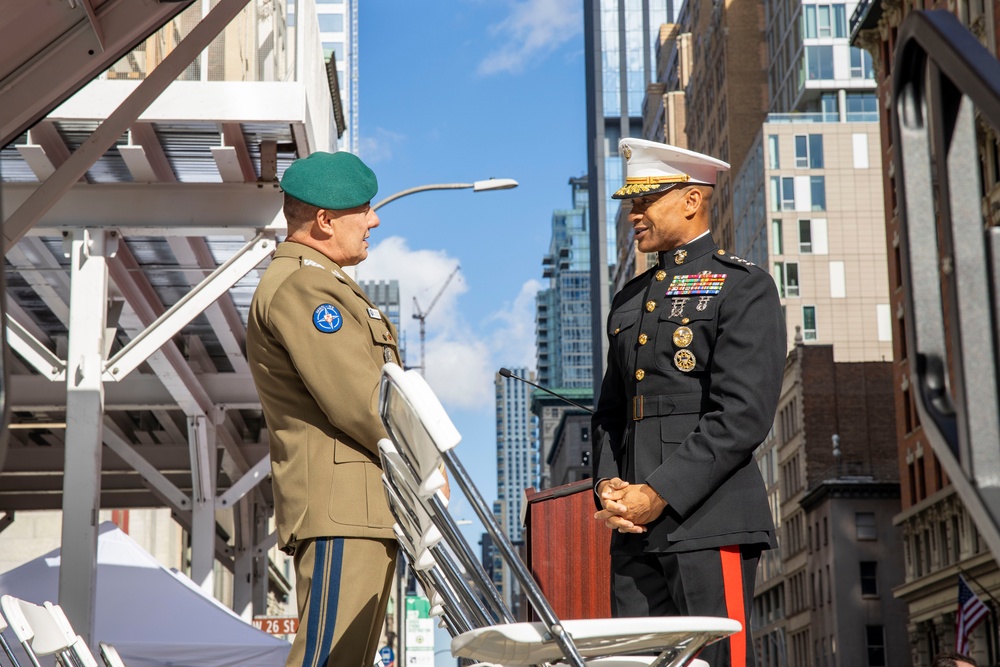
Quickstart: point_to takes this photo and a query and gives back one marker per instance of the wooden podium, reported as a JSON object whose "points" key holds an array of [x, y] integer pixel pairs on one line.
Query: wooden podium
{"points": [[567, 550]]}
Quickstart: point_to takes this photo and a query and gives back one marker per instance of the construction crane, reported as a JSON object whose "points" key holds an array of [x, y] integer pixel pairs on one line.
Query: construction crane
{"points": [[422, 315]]}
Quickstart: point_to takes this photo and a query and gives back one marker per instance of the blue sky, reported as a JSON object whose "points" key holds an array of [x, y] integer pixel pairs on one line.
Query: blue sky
{"points": [[456, 92], [470, 91]]}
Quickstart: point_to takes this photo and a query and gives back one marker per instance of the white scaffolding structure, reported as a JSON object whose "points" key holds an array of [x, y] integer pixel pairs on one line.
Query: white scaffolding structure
{"points": [[136, 216]]}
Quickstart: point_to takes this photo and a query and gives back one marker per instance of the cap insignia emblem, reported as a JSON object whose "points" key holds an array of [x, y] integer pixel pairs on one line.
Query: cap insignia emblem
{"points": [[627, 152]]}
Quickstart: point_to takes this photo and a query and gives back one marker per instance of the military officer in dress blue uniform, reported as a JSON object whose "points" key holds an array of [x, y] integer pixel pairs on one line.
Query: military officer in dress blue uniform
{"points": [[316, 345], [695, 361]]}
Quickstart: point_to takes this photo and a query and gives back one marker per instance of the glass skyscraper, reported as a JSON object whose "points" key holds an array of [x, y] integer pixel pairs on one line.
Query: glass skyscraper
{"points": [[518, 460], [620, 62], [563, 310]]}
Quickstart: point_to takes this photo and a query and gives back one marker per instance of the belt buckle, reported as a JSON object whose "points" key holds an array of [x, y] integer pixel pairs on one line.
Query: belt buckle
{"points": [[637, 408]]}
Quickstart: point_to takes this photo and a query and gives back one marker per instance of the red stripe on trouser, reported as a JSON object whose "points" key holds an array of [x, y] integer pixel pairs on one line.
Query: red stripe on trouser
{"points": [[732, 584]]}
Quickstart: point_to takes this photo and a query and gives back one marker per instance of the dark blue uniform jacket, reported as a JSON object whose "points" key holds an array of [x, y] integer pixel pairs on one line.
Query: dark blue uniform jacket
{"points": [[695, 362]]}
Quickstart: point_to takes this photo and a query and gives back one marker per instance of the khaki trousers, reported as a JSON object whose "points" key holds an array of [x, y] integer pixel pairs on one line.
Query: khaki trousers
{"points": [[342, 585]]}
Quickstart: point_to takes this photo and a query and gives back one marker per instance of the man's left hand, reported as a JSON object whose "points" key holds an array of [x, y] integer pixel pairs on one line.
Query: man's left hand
{"points": [[644, 504]]}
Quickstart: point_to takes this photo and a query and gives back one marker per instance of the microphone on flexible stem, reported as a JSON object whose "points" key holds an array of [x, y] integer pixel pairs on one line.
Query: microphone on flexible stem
{"points": [[507, 374]]}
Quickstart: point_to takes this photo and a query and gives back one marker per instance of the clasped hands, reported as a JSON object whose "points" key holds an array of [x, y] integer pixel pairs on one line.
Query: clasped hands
{"points": [[628, 508]]}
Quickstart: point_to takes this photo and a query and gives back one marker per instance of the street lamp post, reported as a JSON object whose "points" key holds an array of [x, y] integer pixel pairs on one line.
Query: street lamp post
{"points": [[477, 186]]}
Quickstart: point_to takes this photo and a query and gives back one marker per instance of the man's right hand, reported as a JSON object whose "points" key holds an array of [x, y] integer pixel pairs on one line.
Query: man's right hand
{"points": [[610, 491]]}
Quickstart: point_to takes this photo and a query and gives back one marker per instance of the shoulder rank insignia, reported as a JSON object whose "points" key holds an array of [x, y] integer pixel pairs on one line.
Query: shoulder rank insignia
{"points": [[327, 318], [308, 262], [741, 260], [696, 284]]}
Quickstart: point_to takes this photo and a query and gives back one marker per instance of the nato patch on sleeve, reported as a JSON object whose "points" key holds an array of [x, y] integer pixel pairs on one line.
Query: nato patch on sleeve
{"points": [[327, 318]]}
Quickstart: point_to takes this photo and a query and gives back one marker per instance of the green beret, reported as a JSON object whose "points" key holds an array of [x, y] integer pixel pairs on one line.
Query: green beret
{"points": [[334, 181]]}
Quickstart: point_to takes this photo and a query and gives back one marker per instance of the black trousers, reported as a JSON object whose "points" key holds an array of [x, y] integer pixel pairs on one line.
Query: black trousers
{"points": [[711, 582]]}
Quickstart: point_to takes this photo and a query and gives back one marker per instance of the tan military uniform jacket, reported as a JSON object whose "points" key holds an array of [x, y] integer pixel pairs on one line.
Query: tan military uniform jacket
{"points": [[319, 392]]}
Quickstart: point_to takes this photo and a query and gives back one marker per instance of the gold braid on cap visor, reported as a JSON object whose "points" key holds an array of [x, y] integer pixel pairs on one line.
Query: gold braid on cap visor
{"points": [[635, 185]]}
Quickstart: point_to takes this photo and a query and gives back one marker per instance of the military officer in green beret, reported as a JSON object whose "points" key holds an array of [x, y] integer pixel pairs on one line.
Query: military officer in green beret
{"points": [[695, 361], [316, 345]]}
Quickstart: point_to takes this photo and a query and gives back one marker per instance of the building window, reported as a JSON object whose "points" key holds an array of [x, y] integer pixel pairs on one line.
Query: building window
{"points": [[819, 62], [773, 161], [336, 51], [788, 194], [809, 151], [791, 279], [862, 107], [809, 323], [875, 636], [331, 22], [861, 64], [825, 20], [776, 241], [817, 192], [786, 276], [864, 524], [869, 577], [805, 237]]}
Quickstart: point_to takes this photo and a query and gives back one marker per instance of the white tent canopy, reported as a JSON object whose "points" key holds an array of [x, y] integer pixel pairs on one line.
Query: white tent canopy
{"points": [[154, 617]]}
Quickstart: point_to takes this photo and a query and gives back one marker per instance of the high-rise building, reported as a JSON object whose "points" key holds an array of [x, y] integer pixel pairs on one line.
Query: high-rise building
{"points": [[938, 535], [727, 94], [518, 459], [664, 120], [620, 63], [807, 204], [562, 318], [338, 32]]}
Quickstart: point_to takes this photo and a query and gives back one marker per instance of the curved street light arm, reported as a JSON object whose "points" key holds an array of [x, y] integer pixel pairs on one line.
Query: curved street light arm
{"points": [[422, 188]]}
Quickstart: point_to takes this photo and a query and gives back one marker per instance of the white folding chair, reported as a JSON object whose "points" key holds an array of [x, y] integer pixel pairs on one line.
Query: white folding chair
{"points": [[423, 438], [3, 643], [110, 657], [45, 630]]}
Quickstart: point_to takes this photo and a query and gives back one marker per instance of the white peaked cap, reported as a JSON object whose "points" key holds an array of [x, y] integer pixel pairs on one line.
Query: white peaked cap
{"points": [[653, 167]]}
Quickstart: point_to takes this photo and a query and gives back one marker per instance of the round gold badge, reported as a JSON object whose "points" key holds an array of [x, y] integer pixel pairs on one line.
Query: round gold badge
{"points": [[639, 374], [684, 361], [660, 275], [683, 336], [650, 306], [643, 338]]}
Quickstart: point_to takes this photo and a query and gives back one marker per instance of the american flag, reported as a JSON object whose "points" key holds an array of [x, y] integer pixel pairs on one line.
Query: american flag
{"points": [[971, 612]]}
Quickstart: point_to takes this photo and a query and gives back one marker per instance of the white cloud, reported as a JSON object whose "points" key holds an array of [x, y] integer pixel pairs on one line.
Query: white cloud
{"points": [[378, 147], [532, 29], [462, 359], [513, 343]]}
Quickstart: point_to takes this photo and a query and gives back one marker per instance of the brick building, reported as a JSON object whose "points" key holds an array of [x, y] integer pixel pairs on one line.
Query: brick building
{"points": [[833, 488], [939, 538]]}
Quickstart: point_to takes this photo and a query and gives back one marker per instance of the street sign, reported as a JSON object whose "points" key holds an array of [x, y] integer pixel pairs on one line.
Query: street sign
{"points": [[387, 656], [419, 632], [277, 625]]}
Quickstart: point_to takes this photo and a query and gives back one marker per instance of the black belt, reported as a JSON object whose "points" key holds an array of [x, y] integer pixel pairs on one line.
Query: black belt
{"points": [[659, 406]]}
